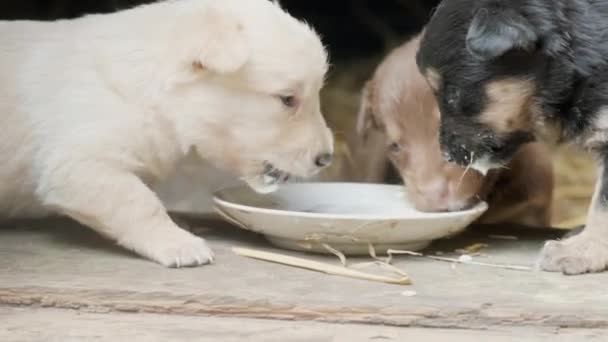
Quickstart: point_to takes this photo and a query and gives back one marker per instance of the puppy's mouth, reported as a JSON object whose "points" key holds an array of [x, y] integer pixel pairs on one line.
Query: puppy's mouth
{"points": [[480, 163], [269, 178], [273, 175], [484, 165], [448, 205]]}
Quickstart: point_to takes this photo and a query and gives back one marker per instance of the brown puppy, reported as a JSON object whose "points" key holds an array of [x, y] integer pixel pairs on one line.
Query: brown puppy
{"points": [[399, 102]]}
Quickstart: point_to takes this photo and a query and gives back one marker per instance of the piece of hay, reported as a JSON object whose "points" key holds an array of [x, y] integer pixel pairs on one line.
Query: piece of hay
{"points": [[472, 249], [382, 263], [466, 261], [573, 192], [337, 253], [318, 266], [573, 223], [503, 237]]}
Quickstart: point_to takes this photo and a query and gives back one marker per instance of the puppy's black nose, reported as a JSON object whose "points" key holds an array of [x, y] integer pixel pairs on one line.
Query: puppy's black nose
{"points": [[323, 160]]}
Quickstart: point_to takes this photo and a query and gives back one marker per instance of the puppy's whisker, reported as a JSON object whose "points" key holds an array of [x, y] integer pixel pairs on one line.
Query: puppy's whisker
{"points": [[465, 172]]}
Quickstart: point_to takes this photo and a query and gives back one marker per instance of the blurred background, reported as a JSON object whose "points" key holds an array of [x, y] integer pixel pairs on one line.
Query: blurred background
{"points": [[358, 33]]}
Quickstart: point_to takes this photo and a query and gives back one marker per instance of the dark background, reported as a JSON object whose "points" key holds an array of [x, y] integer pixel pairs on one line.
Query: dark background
{"points": [[351, 29]]}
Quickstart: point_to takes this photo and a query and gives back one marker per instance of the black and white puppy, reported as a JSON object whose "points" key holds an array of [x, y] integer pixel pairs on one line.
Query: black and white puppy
{"points": [[505, 72]]}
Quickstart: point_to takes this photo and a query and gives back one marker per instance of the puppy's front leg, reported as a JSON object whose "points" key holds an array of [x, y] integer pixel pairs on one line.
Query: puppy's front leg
{"points": [[588, 251], [117, 204]]}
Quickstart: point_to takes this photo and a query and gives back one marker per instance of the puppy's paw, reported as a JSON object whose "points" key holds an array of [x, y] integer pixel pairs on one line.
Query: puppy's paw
{"points": [[176, 248], [577, 255], [192, 252]]}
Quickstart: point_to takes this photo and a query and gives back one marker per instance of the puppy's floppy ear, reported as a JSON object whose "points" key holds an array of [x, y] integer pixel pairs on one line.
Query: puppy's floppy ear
{"points": [[496, 30], [224, 46], [366, 119]]}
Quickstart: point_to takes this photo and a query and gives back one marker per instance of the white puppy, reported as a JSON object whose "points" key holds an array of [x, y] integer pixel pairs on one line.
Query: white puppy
{"points": [[95, 110]]}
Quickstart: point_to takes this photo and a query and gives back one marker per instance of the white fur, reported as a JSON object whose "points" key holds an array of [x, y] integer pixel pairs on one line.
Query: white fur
{"points": [[483, 165], [95, 110]]}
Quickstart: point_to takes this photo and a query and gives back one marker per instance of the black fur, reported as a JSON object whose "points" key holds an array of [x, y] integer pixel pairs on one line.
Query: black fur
{"points": [[495, 31], [561, 45]]}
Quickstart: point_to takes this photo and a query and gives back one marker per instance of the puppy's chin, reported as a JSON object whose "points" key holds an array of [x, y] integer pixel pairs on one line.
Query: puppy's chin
{"points": [[484, 165]]}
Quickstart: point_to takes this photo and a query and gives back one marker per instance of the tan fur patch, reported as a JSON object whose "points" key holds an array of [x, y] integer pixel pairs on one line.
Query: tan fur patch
{"points": [[434, 78], [510, 105]]}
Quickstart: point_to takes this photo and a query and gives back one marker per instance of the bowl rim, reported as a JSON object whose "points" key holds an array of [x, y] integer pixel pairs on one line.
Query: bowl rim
{"points": [[478, 209]]}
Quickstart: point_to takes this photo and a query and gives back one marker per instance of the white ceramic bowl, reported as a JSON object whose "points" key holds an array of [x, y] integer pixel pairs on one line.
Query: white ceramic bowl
{"points": [[345, 216]]}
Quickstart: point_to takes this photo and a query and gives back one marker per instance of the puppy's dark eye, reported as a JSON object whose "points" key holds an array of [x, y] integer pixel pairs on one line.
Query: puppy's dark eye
{"points": [[394, 147], [288, 101]]}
